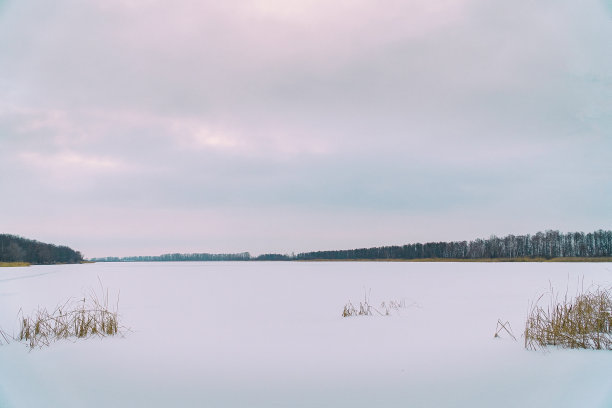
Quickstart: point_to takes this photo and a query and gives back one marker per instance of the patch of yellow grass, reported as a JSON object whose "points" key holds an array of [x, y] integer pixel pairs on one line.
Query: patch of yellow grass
{"points": [[74, 319], [13, 264], [584, 321]]}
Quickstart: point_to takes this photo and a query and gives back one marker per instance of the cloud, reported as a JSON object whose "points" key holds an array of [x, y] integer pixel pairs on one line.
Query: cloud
{"points": [[373, 113]]}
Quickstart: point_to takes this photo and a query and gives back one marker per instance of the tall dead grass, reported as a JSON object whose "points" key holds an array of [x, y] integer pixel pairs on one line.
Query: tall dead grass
{"points": [[366, 309], [91, 316], [4, 337], [584, 321]]}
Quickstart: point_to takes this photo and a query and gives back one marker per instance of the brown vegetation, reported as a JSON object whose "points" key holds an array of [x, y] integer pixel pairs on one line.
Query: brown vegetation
{"points": [[366, 309], [74, 319], [13, 264], [584, 321]]}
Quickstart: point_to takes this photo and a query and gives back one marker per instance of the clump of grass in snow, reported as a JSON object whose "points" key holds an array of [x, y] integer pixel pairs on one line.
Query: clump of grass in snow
{"points": [[584, 321], [366, 309], [74, 319]]}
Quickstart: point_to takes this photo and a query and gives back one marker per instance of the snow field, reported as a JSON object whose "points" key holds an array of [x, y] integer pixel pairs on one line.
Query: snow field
{"points": [[270, 334]]}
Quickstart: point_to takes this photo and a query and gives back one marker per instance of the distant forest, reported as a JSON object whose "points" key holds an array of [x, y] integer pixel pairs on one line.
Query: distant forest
{"points": [[549, 244], [18, 249], [243, 256]]}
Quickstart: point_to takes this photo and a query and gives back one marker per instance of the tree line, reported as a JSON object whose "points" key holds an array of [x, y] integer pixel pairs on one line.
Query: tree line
{"points": [[242, 256], [18, 249], [549, 244]]}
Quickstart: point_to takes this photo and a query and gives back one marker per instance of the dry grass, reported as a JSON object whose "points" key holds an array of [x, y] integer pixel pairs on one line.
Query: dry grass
{"points": [[503, 327], [13, 264], [4, 337], [91, 316], [584, 321], [366, 309]]}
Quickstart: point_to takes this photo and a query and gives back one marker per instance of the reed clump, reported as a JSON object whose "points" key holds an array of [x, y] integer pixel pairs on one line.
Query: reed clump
{"points": [[584, 321], [74, 319], [366, 309]]}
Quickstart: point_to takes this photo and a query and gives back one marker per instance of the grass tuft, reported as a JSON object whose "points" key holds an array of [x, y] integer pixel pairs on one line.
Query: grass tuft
{"points": [[584, 321], [74, 319], [366, 309]]}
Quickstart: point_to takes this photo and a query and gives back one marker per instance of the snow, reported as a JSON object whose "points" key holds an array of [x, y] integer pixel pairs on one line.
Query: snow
{"points": [[270, 334]]}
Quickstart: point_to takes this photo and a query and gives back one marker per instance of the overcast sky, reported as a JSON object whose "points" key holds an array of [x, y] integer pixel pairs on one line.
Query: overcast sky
{"points": [[140, 127]]}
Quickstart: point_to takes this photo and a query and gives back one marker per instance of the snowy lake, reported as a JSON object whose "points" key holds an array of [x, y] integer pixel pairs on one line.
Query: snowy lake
{"points": [[271, 334]]}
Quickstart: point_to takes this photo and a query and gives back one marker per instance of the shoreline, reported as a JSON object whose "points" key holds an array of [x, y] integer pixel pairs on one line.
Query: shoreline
{"points": [[457, 260], [13, 264], [523, 259]]}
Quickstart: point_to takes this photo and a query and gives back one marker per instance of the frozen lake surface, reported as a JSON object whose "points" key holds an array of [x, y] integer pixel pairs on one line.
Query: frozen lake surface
{"points": [[265, 334]]}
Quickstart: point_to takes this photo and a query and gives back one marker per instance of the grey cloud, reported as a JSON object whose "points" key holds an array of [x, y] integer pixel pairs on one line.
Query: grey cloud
{"points": [[490, 111]]}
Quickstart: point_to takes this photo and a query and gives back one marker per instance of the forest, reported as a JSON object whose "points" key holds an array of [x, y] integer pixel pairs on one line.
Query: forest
{"points": [[549, 244], [243, 256], [18, 249]]}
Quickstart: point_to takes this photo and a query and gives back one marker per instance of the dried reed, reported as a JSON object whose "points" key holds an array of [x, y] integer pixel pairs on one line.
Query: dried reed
{"points": [[366, 309], [74, 319], [584, 321], [505, 326], [4, 337]]}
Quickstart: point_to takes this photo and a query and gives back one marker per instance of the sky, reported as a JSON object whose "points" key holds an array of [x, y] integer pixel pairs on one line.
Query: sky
{"points": [[141, 127]]}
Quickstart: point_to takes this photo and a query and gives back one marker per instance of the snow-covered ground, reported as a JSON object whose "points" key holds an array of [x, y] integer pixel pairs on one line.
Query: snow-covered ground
{"points": [[270, 334]]}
